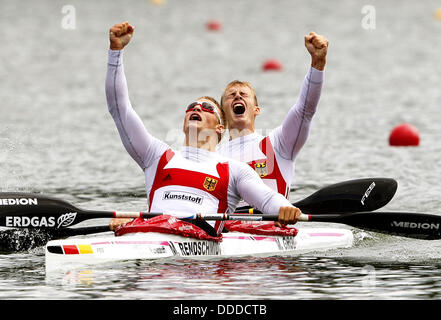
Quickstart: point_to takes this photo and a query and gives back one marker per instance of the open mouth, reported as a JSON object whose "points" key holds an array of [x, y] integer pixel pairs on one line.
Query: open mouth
{"points": [[239, 108], [195, 117]]}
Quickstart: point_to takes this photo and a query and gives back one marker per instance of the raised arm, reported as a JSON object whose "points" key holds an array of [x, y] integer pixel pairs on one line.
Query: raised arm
{"points": [[291, 136], [141, 146]]}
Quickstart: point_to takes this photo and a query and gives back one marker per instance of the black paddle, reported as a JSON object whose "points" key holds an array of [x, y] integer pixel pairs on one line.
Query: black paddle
{"points": [[348, 196], [26, 210], [405, 224]]}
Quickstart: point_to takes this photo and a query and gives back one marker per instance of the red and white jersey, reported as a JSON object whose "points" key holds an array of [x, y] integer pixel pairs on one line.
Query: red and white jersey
{"points": [[195, 180], [273, 156], [176, 184], [258, 152], [189, 180]]}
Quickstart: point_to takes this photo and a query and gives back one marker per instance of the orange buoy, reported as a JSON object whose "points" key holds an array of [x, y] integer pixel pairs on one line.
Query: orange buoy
{"points": [[272, 65], [214, 25], [437, 14], [158, 2], [404, 135]]}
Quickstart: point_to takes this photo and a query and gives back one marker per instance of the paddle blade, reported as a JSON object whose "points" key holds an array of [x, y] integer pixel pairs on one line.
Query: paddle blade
{"points": [[350, 196], [405, 224], [24, 210]]}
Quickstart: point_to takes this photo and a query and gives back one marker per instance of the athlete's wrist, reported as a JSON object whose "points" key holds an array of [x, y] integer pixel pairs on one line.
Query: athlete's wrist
{"points": [[116, 47], [318, 63]]}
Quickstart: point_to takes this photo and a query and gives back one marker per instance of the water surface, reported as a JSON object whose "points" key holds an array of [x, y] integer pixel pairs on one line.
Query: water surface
{"points": [[57, 138]]}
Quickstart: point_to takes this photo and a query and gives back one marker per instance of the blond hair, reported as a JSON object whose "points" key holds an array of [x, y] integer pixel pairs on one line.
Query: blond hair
{"points": [[239, 83]]}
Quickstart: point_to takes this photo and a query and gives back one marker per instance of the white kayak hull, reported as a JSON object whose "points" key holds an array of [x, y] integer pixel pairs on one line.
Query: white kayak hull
{"points": [[157, 246]]}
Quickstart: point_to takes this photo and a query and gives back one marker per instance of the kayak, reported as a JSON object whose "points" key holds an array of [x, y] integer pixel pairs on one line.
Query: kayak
{"points": [[154, 246]]}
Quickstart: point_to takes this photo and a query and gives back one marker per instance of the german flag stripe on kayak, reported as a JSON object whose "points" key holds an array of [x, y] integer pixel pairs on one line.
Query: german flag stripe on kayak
{"points": [[71, 249]]}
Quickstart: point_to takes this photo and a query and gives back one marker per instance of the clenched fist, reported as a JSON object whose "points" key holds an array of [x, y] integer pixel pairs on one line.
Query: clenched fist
{"points": [[317, 46], [120, 35], [115, 223], [288, 215]]}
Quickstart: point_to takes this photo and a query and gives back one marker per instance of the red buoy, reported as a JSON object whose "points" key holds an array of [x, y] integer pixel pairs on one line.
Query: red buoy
{"points": [[404, 135], [272, 65], [214, 25]]}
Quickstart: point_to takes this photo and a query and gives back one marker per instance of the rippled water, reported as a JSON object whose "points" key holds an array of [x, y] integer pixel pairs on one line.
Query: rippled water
{"points": [[339, 274], [57, 138]]}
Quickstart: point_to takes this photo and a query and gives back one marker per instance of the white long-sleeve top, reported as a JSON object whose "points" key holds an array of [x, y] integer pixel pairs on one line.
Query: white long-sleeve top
{"points": [[178, 193], [275, 160]]}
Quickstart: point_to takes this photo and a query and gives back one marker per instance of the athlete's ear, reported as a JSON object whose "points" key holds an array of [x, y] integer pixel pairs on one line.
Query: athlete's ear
{"points": [[220, 128], [256, 110]]}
